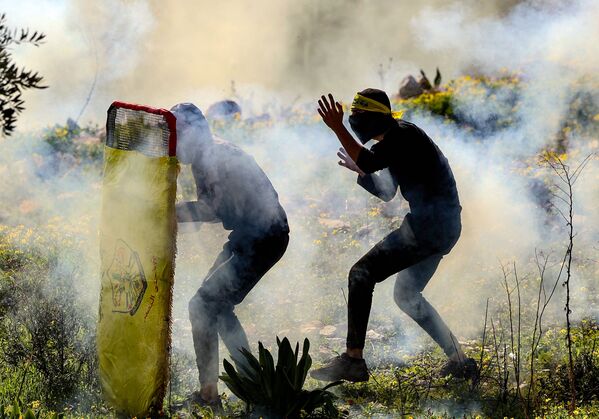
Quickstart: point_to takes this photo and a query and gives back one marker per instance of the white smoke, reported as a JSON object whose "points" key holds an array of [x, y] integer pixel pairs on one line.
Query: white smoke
{"points": [[160, 54]]}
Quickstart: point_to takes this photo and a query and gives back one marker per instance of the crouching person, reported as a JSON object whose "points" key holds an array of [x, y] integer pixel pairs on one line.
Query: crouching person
{"points": [[232, 190], [405, 157]]}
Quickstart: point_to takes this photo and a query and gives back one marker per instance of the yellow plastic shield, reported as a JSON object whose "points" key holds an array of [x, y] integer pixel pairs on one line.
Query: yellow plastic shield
{"points": [[137, 249]]}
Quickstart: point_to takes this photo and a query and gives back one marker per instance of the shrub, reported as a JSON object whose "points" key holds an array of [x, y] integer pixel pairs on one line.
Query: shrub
{"points": [[278, 391], [46, 335], [84, 144]]}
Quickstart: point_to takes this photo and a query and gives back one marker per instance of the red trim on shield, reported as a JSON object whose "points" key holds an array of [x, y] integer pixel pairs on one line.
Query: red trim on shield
{"points": [[171, 121]]}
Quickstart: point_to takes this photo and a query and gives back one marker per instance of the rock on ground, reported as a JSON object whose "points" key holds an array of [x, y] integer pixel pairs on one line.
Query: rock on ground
{"points": [[409, 87]]}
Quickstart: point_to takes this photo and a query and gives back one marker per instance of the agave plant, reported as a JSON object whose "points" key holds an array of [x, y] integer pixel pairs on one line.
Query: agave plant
{"points": [[277, 391]]}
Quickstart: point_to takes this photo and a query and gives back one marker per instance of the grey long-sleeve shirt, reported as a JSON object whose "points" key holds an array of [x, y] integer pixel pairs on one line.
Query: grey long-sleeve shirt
{"points": [[233, 189]]}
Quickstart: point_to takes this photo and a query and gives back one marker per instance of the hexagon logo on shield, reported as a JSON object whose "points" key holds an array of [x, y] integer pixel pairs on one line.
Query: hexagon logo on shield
{"points": [[127, 279]]}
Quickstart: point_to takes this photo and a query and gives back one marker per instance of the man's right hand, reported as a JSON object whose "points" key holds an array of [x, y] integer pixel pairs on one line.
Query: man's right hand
{"points": [[347, 162], [331, 113]]}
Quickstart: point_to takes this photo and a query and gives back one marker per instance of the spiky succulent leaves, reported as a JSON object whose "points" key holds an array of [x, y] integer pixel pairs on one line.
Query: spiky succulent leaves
{"points": [[437, 78], [247, 384], [320, 398], [296, 376], [233, 381], [286, 373], [286, 363], [308, 401], [252, 375], [284, 393], [276, 391], [252, 368], [323, 400]]}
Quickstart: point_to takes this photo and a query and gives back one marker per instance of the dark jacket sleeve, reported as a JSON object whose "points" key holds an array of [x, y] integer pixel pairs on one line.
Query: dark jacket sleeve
{"points": [[194, 211], [383, 185], [378, 157]]}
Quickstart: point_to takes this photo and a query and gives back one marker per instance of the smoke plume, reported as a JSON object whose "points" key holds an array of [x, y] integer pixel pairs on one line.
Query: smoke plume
{"points": [[281, 55]]}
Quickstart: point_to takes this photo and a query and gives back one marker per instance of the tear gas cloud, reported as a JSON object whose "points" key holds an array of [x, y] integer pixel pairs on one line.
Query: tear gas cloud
{"points": [[158, 54], [162, 53]]}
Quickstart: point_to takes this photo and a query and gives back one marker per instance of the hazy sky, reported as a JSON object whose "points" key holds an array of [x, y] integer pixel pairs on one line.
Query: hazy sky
{"points": [[163, 52]]}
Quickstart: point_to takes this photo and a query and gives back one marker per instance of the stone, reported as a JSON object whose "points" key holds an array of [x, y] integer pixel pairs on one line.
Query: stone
{"points": [[311, 327], [371, 334], [328, 330], [409, 87], [333, 223]]}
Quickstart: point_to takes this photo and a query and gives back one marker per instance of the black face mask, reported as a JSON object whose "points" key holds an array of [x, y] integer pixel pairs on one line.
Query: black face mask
{"points": [[368, 125]]}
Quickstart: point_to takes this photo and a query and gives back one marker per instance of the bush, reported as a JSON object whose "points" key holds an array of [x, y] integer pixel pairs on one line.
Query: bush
{"points": [[83, 144], [555, 385], [46, 336], [278, 391], [495, 101], [486, 105]]}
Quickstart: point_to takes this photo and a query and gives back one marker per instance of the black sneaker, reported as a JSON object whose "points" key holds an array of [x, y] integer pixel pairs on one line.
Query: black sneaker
{"points": [[466, 369], [342, 367]]}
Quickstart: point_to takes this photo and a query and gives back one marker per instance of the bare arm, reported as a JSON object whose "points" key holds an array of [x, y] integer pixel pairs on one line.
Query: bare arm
{"points": [[348, 163], [332, 115], [383, 185]]}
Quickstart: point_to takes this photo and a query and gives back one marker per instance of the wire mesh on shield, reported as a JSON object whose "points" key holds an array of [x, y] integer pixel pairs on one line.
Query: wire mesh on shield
{"points": [[137, 130]]}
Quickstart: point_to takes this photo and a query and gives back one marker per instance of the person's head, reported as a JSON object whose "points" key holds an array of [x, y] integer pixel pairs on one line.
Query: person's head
{"points": [[225, 110], [193, 132], [370, 114]]}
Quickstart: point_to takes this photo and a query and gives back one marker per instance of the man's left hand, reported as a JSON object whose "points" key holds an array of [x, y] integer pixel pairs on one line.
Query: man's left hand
{"points": [[347, 162]]}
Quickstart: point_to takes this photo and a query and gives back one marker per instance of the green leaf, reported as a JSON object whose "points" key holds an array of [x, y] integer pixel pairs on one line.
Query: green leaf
{"points": [[437, 81], [254, 363], [233, 382], [250, 370], [303, 366], [287, 360], [241, 386], [268, 370]]}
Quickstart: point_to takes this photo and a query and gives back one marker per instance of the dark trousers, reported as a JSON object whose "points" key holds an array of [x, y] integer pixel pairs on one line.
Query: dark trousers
{"points": [[238, 268], [414, 250]]}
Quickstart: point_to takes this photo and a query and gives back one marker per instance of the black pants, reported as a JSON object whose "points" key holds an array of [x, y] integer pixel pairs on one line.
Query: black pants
{"points": [[238, 268], [414, 250]]}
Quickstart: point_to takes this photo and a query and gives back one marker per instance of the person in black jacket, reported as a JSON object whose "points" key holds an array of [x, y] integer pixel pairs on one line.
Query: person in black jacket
{"points": [[232, 190], [405, 157]]}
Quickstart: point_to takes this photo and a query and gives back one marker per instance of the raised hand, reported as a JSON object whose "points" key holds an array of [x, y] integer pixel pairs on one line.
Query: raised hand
{"points": [[332, 115], [331, 112], [347, 162]]}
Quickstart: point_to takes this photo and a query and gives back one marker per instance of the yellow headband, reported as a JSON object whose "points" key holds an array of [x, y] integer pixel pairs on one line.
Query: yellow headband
{"points": [[364, 103]]}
